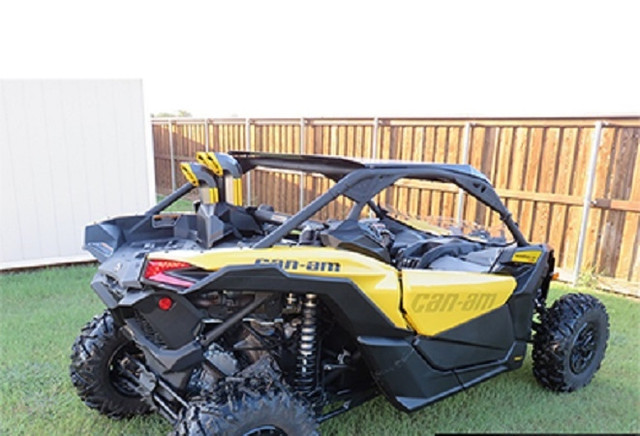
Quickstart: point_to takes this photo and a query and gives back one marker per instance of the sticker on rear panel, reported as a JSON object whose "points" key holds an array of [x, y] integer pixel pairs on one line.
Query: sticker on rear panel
{"points": [[527, 256]]}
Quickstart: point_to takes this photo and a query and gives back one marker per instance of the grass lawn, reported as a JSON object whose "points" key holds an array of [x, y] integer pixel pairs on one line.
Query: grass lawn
{"points": [[182, 205], [43, 311]]}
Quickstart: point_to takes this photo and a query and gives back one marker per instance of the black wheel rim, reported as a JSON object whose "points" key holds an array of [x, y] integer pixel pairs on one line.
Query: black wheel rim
{"points": [[118, 373], [584, 349], [266, 430]]}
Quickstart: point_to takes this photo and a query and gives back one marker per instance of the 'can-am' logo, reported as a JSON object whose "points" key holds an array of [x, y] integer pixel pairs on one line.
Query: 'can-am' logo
{"points": [[439, 302], [292, 264]]}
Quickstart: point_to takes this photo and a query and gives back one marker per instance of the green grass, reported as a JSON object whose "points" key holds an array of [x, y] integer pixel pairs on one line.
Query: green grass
{"points": [[43, 311], [182, 205]]}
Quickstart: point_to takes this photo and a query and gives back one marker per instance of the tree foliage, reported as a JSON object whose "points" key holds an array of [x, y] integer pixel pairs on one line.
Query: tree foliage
{"points": [[177, 114]]}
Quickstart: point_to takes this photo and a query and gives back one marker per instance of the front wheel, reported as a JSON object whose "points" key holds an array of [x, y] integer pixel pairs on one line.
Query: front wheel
{"points": [[98, 369], [570, 342]]}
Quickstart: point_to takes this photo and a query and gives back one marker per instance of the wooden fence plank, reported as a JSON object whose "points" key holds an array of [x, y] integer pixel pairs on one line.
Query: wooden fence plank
{"points": [[629, 264], [531, 161], [452, 155], [476, 153], [602, 187], [440, 152], [517, 174], [367, 143], [428, 153], [358, 141], [418, 147], [565, 170], [621, 172], [576, 189], [547, 176]]}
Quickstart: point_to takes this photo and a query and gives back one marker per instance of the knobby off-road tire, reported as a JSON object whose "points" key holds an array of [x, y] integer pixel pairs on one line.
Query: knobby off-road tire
{"points": [[570, 342], [248, 410], [94, 356]]}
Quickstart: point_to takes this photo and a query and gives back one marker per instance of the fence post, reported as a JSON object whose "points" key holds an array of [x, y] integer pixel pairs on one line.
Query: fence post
{"points": [[374, 148], [302, 151], [206, 134], [172, 158], [247, 146], [588, 192], [466, 143], [374, 139]]}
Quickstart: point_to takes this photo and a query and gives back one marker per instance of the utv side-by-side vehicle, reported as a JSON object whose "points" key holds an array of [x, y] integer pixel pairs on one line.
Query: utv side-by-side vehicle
{"points": [[243, 320]]}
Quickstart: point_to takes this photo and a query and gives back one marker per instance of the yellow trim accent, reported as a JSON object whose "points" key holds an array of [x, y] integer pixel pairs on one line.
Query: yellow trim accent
{"points": [[436, 301], [213, 195], [526, 256], [209, 160], [377, 280], [518, 358], [188, 173], [237, 192]]}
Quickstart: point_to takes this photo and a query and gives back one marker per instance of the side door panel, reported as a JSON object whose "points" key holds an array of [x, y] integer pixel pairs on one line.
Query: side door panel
{"points": [[487, 338], [437, 301], [461, 318]]}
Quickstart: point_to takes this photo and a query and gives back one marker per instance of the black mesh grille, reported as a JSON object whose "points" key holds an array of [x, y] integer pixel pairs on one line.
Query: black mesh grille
{"points": [[148, 331]]}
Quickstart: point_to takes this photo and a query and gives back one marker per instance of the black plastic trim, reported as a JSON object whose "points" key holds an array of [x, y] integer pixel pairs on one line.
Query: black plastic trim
{"points": [[469, 344]]}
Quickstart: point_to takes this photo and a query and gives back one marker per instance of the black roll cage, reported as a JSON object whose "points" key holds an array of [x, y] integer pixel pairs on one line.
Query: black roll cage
{"points": [[361, 181]]}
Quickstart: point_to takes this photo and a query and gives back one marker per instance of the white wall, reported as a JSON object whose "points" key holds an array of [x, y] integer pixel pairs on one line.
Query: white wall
{"points": [[71, 152]]}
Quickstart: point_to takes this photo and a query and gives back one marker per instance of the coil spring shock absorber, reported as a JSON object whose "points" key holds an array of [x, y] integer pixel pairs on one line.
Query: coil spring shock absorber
{"points": [[306, 361]]}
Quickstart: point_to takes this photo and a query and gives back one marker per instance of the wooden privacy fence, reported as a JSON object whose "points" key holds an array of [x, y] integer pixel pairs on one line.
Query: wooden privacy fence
{"points": [[574, 183]]}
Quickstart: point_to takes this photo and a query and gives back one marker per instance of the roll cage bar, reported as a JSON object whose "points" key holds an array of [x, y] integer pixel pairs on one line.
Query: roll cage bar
{"points": [[361, 181]]}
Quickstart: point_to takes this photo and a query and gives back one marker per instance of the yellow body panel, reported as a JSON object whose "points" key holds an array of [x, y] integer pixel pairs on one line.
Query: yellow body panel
{"points": [[213, 195], [435, 301], [377, 280], [188, 173], [237, 192], [209, 160]]}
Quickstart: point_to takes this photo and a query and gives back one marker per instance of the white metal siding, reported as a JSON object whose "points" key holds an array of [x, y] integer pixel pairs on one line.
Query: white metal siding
{"points": [[71, 152]]}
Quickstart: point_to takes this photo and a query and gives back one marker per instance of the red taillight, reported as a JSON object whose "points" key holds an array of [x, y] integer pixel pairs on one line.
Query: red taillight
{"points": [[165, 303], [156, 270]]}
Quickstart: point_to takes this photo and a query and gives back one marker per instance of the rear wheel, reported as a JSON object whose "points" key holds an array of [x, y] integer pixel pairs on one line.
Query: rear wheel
{"points": [[98, 369], [248, 410], [570, 342]]}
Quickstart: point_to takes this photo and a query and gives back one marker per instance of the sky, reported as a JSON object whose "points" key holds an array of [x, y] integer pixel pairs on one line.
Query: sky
{"points": [[340, 58]]}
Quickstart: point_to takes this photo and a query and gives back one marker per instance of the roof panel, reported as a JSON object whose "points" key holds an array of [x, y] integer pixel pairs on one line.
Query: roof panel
{"points": [[336, 167]]}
